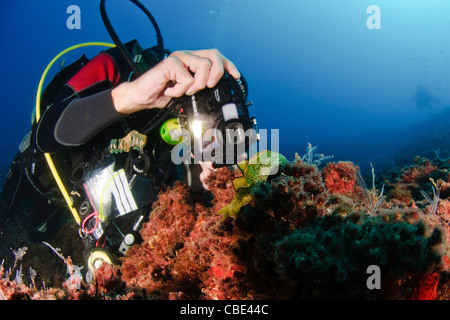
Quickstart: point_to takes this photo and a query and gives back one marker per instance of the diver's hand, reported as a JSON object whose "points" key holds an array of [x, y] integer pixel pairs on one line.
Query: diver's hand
{"points": [[183, 72]]}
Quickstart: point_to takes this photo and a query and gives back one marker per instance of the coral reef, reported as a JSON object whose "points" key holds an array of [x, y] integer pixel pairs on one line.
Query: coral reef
{"points": [[309, 231], [340, 177], [187, 249]]}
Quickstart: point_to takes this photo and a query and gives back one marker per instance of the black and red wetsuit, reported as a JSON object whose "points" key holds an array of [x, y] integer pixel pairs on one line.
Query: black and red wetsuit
{"points": [[77, 124], [83, 107]]}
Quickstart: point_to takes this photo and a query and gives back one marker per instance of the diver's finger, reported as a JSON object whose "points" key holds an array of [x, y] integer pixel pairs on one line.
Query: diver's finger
{"points": [[201, 72], [201, 77], [198, 65], [217, 69], [178, 78], [231, 68], [219, 64]]}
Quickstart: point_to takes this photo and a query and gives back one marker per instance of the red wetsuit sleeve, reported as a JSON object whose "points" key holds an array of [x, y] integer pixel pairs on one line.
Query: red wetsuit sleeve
{"points": [[101, 68]]}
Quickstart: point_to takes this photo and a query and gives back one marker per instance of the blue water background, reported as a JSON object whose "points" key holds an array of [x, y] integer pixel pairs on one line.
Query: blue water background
{"points": [[315, 71]]}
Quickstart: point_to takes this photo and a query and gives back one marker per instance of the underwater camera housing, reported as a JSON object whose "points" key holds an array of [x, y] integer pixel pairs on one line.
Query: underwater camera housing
{"points": [[218, 122]]}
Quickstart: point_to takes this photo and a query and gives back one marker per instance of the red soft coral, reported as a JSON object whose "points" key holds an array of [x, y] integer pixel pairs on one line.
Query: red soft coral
{"points": [[340, 177], [418, 173], [107, 279], [187, 250], [148, 265], [426, 287], [208, 259], [220, 183]]}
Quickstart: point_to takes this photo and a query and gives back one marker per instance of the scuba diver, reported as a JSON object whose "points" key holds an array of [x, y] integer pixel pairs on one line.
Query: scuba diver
{"points": [[107, 133]]}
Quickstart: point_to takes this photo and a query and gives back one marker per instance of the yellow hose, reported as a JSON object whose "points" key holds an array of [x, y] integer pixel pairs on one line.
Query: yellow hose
{"points": [[51, 165]]}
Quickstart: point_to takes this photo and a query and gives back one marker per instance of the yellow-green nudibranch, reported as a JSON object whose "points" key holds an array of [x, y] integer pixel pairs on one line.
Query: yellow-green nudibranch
{"points": [[262, 165]]}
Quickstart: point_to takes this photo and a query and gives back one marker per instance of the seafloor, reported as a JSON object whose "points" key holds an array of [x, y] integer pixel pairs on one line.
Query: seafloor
{"points": [[310, 232]]}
